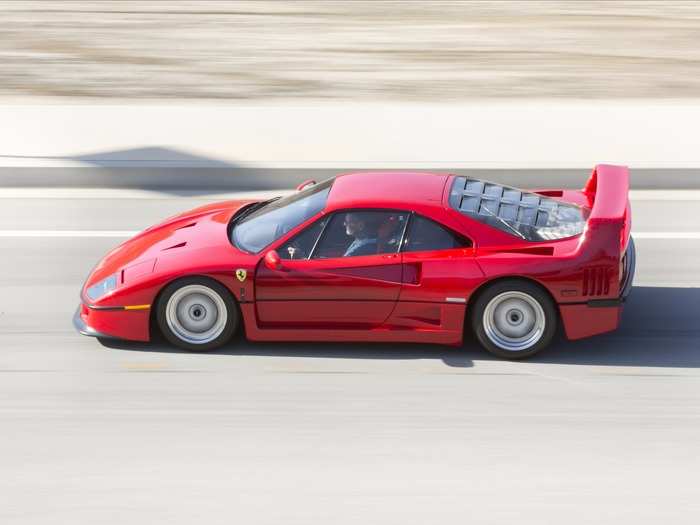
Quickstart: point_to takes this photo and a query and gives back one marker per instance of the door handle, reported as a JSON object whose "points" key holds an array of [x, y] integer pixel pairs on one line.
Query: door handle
{"points": [[390, 256]]}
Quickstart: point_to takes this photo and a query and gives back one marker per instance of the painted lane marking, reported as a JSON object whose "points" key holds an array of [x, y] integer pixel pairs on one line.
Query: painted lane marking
{"points": [[135, 194], [666, 235], [690, 235], [209, 195], [67, 233]]}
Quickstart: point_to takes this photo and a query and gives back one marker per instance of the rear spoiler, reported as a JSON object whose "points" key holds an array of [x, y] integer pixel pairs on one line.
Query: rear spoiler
{"points": [[608, 188]]}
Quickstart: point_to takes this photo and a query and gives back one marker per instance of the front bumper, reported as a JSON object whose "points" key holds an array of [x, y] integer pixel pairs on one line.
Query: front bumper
{"points": [[82, 327], [113, 323]]}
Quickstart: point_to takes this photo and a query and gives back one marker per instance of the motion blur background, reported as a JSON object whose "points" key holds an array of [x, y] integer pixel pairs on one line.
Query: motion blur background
{"points": [[116, 114], [349, 50]]}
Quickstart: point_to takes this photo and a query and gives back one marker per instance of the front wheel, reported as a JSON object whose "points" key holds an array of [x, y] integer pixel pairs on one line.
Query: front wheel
{"points": [[514, 319], [197, 314]]}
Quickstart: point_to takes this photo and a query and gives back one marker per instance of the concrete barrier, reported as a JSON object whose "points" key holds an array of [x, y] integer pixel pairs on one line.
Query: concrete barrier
{"points": [[253, 146]]}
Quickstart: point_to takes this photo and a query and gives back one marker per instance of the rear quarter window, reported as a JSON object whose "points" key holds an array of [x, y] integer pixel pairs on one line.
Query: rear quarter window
{"points": [[426, 235]]}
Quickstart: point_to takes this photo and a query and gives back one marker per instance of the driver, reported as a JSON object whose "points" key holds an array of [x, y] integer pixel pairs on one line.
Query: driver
{"points": [[365, 242]]}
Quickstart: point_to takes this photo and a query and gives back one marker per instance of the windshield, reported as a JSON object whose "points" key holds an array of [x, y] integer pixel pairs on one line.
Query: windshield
{"points": [[270, 222]]}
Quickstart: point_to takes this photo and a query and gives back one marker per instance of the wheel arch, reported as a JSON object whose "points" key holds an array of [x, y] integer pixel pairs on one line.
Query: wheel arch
{"points": [[153, 317], [501, 278]]}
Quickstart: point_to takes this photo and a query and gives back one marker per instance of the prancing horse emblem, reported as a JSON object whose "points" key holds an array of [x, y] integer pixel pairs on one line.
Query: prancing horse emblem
{"points": [[241, 274]]}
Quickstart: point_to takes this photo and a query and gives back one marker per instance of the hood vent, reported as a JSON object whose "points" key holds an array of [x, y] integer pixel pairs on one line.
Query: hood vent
{"points": [[186, 226], [178, 245]]}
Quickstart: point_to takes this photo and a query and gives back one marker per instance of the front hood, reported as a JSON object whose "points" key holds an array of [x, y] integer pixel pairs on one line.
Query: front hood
{"points": [[201, 227]]}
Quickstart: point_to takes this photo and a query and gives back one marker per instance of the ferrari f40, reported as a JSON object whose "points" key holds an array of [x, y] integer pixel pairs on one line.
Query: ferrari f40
{"points": [[377, 256]]}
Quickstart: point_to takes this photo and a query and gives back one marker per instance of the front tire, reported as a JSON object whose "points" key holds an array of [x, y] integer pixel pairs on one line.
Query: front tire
{"points": [[514, 319], [197, 314]]}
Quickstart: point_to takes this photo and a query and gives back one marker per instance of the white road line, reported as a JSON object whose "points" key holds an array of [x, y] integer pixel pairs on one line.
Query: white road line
{"points": [[132, 193], [664, 195], [667, 235], [67, 233], [130, 233]]}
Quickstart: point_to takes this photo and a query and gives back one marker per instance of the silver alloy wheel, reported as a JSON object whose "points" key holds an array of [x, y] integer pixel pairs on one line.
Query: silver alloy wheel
{"points": [[196, 314], [514, 321]]}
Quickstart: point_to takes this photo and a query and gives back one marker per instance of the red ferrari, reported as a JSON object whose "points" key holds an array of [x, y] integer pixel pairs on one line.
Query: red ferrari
{"points": [[400, 257]]}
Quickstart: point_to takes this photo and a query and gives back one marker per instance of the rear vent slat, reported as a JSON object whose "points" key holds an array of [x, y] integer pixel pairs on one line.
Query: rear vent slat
{"points": [[596, 281]]}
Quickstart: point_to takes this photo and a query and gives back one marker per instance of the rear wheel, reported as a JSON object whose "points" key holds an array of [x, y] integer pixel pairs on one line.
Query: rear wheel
{"points": [[514, 319], [197, 314]]}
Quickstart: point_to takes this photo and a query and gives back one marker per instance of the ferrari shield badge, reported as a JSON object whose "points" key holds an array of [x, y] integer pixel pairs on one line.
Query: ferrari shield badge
{"points": [[241, 274]]}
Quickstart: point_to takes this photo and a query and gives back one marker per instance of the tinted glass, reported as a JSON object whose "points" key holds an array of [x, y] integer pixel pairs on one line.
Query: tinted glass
{"points": [[424, 234], [301, 245], [271, 222], [351, 234]]}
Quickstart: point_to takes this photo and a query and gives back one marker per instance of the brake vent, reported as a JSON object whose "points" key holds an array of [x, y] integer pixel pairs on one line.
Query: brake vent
{"points": [[596, 281]]}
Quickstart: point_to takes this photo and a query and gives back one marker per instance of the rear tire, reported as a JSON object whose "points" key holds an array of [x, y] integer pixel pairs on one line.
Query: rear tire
{"points": [[514, 319], [197, 314]]}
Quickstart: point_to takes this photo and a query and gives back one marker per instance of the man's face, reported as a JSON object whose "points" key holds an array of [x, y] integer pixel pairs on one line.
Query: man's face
{"points": [[353, 224]]}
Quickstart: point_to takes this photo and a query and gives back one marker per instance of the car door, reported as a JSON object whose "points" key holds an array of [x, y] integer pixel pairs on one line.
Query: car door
{"points": [[439, 264], [342, 271]]}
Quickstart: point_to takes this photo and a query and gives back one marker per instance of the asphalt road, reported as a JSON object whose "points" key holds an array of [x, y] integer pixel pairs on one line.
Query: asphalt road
{"points": [[598, 431]]}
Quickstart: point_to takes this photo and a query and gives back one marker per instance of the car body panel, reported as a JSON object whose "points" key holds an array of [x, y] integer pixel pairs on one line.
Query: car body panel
{"points": [[357, 291], [402, 297]]}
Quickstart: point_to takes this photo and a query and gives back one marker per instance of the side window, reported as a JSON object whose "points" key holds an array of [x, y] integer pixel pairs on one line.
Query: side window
{"points": [[301, 245], [424, 234], [354, 233]]}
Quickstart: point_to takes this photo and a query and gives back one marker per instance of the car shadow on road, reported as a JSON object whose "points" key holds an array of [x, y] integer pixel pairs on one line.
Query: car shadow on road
{"points": [[660, 328], [453, 357]]}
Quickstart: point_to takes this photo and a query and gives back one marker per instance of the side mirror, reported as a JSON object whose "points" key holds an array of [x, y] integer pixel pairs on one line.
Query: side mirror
{"points": [[309, 182], [273, 261]]}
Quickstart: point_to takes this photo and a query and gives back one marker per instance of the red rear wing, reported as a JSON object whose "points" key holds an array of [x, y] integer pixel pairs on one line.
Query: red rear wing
{"points": [[608, 188]]}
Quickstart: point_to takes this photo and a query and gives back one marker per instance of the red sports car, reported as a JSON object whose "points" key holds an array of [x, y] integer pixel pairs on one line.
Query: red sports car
{"points": [[390, 256]]}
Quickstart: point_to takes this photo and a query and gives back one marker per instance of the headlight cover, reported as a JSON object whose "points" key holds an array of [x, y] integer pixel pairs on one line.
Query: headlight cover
{"points": [[102, 288]]}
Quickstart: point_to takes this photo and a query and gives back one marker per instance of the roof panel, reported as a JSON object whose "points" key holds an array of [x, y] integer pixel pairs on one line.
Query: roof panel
{"points": [[386, 188]]}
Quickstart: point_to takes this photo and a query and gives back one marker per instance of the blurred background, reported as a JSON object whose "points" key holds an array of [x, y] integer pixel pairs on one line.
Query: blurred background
{"points": [[349, 50]]}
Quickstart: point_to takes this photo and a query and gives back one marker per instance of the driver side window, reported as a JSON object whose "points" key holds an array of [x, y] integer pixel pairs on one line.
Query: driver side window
{"points": [[354, 233], [301, 245]]}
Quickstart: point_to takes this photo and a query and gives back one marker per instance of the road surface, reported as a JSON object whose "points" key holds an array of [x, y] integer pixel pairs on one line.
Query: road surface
{"points": [[598, 431]]}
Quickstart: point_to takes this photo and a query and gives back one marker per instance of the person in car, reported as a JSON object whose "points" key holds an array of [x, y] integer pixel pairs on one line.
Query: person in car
{"points": [[365, 242]]}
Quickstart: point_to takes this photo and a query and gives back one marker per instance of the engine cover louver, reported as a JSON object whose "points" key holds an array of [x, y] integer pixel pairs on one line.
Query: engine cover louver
{"points": [[530, 216]]}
